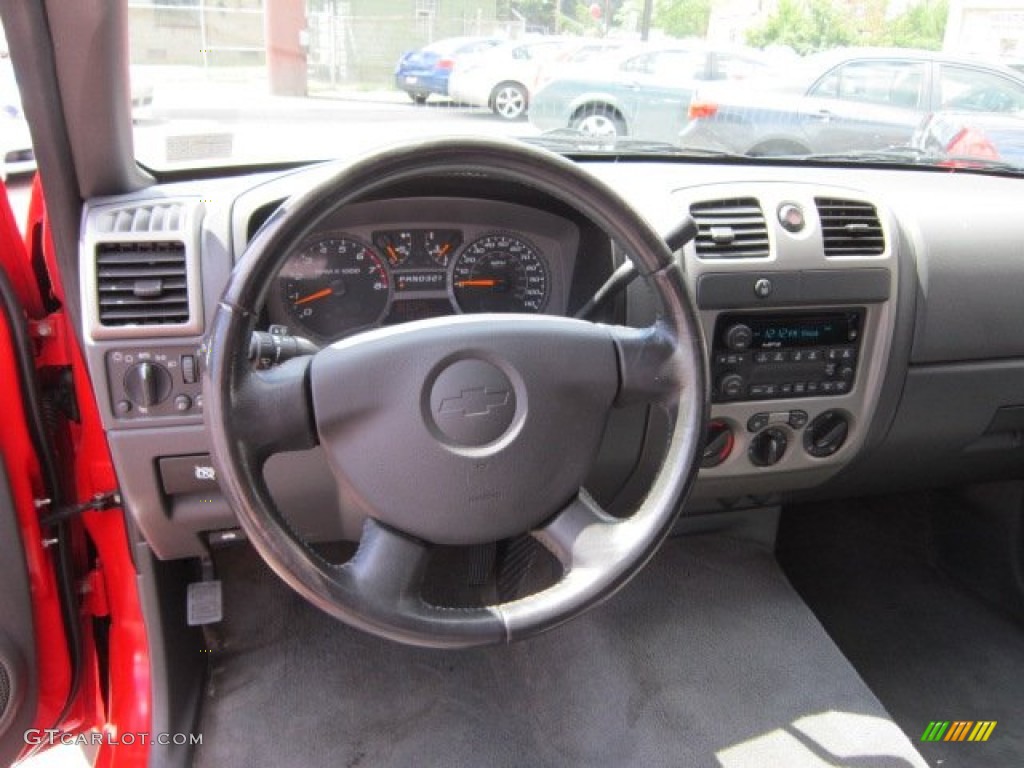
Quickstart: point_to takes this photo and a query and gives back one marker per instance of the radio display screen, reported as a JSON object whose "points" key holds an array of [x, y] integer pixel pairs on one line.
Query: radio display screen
{"points": [[773, 332]]}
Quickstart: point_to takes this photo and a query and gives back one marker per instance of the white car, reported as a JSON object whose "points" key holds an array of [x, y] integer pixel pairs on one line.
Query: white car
{"points": [[501, 78], [16, 155]]}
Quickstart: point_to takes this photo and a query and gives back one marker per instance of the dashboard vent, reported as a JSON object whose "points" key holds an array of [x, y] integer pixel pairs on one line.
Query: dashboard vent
{"points": [[850, 227], [144, 219], [142, 283], [730, 229]]}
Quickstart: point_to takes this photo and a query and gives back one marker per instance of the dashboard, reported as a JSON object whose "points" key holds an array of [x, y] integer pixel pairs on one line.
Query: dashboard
{"points": [[851, 320]]}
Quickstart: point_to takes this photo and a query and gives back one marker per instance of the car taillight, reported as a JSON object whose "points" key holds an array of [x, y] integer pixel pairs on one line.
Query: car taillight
{"points": [[970, 142], [445, 64], [700, 109]]}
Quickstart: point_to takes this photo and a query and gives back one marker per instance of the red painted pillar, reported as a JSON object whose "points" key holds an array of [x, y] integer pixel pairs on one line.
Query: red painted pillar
{"points": [[284, 29]]}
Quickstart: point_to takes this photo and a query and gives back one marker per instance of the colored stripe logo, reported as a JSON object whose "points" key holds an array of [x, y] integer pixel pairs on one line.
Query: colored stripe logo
{"points": [[958, 730]]}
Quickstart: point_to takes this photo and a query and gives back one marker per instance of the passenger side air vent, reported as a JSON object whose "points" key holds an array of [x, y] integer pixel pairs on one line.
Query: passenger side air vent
{"points": [[730, 229], [143, 219], [142, 283], [850, 227]]}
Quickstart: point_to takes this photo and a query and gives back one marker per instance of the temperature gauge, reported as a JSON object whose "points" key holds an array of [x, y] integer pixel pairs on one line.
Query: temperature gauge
{"points": [[396, 246], [441, 244]]}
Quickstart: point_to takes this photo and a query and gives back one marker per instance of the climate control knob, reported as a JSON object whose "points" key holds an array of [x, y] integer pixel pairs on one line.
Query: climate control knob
{"points": [[718, 443], [826, 434], [738, 337], [767, 447], [147, 384]]}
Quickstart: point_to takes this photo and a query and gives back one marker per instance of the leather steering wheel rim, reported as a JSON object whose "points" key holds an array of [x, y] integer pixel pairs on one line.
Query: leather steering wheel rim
{"points": [[251, 415]]}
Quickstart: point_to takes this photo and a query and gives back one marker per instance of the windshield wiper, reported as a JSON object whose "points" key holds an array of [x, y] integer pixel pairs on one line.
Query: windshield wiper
{"points": [[570, 140], [896, 155]]}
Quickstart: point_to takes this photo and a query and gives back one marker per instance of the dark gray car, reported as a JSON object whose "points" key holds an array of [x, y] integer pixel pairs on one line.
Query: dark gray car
{"points": [[845, 100]]}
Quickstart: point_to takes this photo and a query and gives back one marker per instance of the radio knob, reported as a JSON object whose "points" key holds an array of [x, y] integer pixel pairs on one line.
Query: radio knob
{"points": [[147, 384], [739, 337], [768, 447], [731, 385]]}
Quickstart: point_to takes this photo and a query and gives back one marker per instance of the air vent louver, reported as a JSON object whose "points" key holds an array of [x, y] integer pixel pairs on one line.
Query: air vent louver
{"points": [[850, 227], [144, 219], [730, 229], [142, 283]]}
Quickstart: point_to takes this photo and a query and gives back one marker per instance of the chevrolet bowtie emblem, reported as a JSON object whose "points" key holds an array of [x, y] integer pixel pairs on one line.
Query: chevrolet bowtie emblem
{"points": [[478, 401]]}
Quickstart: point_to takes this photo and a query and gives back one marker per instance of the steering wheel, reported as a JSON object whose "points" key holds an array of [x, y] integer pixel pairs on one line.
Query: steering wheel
{"points": [[495, 419]]}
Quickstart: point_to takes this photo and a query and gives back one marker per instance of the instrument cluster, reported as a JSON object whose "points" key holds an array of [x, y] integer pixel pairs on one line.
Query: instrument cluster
{"points": [[355, 277]]}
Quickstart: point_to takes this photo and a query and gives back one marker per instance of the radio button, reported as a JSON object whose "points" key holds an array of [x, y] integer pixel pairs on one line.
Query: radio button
{"points": [[813, 355], [842, 353], [786, 389], [800, 387], [778, 356], [828, 387], [761, 357]]}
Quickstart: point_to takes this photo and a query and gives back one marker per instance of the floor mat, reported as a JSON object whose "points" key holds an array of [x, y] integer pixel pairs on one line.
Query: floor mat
{"points": [[930, 649], [708, 657]]}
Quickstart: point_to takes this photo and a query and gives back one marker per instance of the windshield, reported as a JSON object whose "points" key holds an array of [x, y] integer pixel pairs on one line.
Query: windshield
{"points": [[241, 82]]}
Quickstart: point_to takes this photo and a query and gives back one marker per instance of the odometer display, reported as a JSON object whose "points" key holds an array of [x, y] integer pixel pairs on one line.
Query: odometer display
{"points": [[500, 273], [335, 286]]}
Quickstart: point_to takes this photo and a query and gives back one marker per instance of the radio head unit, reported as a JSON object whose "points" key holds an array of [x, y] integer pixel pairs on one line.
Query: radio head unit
{"points": [[784, 355]]}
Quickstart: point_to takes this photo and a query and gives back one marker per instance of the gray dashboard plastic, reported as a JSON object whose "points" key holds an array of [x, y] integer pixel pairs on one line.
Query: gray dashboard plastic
{"points": [[956, 301]]}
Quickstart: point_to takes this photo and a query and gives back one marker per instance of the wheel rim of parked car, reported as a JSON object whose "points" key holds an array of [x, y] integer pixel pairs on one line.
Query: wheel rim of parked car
{"points": [[252, 415], [598, 124], [510, 101]]}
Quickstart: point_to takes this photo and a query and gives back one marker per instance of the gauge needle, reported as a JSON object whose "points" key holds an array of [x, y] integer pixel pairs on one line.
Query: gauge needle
{"points": [[444, 249], [314, 296], [481, 283], [391, 253]]}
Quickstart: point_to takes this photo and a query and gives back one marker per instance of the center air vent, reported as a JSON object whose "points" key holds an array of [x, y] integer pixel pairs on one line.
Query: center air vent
{"points": [[850, 227], [730, 229], [142, 283]]}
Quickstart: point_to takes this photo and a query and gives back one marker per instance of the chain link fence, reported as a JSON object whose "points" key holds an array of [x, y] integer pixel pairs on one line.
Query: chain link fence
{"points": [[342, 49]]}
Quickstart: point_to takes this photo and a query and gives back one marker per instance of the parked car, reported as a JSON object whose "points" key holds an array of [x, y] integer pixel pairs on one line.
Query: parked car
{"points": [[425, 71], [967, 138], [16, 155], [846, 100], [573, 57], [500, 78], [640, 92]]}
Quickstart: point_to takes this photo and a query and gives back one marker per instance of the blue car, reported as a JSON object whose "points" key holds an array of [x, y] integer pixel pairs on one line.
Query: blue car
{"points": [[426, 70]]}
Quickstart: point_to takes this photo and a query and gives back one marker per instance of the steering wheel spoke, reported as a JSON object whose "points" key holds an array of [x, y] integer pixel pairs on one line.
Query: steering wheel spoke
{"points": [[580, 534], [273, 411], [388, 567], [651, 369]]}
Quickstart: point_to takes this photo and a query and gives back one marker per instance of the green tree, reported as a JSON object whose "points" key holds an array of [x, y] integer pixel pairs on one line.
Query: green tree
{"points": [[805, 26], [676, 18], [921, 25]]}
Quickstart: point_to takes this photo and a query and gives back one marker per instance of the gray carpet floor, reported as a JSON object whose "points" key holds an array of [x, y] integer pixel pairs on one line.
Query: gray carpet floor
{"points": [[707, 658], [928, 647]]}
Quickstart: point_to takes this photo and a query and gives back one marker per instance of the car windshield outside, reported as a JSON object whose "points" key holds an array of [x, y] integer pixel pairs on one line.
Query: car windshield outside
{"points": [[238, 82]]}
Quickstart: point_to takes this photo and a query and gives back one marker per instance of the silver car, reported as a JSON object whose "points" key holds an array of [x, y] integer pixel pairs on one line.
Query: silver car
{"points": [[845, 100]]}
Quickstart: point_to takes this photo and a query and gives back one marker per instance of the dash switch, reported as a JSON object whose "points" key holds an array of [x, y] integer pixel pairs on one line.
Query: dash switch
{"points": [[188, 369]]}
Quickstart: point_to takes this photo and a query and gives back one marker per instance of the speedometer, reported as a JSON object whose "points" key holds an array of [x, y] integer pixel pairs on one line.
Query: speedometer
{"points": [[500, 273], [334, 286]]}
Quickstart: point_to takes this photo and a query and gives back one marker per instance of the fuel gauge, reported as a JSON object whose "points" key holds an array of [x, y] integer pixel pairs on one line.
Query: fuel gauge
{"points": [[396, 246], [441, 244]]}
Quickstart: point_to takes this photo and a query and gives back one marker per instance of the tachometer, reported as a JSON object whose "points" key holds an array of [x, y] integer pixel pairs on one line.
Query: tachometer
{"points": [[500, 273], [334, 286]]}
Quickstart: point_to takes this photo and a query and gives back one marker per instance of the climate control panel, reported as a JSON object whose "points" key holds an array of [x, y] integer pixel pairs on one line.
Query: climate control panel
{"points": [[148, 383], [791, 355]]}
